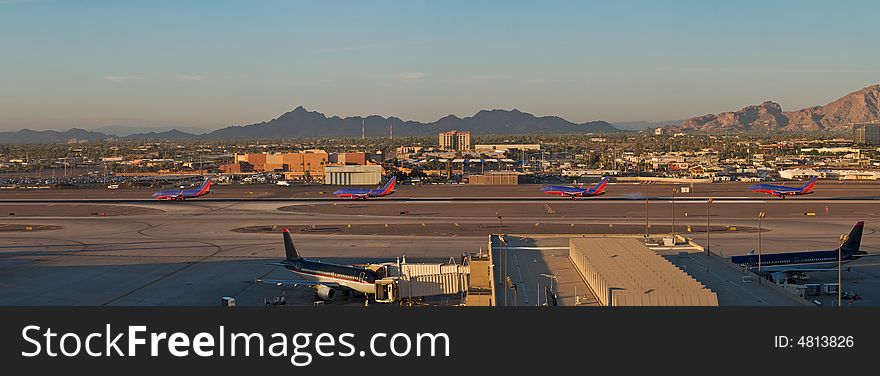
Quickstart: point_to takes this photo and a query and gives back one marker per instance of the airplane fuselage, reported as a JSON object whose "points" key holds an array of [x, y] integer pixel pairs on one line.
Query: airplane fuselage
{"points": [[778, 190], [364, 193], [357, 279], [576, 192], [361, 194], [782, 191], [565, 191], [178, 194], [183, 194], [775, 262]]}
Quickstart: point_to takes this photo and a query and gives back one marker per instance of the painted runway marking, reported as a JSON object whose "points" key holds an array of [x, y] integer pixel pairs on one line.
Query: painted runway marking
{"points": [[537, 248]]}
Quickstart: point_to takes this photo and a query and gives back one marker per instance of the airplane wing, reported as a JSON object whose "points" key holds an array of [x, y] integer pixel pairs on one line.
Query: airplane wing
{"points": [[295, 283], [796, 270]]}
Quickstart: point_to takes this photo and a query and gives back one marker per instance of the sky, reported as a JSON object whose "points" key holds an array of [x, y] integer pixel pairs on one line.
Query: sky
{"points": [[211, 64]]}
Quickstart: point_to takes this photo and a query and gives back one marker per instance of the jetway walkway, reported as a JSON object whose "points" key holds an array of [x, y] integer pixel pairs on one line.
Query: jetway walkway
{"points": [[405, 281]]}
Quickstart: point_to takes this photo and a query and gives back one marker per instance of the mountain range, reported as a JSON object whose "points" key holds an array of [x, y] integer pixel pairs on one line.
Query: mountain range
{"points": [[27, 136], [858, 107], [304, 123], [838, 116], [127, 130]]}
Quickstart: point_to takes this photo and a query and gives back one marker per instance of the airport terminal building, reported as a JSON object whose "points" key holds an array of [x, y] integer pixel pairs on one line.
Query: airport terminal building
{"points": [[353, 175]]}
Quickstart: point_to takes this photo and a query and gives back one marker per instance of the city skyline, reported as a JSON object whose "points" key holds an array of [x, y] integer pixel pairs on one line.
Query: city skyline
{"points": [[212, 65]]}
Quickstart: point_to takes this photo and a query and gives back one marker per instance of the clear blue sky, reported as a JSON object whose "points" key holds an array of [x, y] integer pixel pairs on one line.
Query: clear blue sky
{"points": [[217, 63]]}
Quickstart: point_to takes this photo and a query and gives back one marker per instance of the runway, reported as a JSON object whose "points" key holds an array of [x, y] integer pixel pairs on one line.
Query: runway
{"points": [[191, 252], [825, 190], [484, 200]]}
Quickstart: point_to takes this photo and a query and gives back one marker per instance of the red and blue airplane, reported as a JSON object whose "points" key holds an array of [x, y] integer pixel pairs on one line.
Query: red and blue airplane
{"points": [[365, 193], [781, 191], [183, 194], [575, 192]]}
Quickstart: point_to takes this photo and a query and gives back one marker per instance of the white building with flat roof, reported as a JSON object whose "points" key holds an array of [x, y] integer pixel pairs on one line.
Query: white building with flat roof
{"points": [[353, 175]]}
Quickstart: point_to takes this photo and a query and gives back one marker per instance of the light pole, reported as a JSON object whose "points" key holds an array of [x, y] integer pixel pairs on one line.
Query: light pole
{"points": [[505, 271], [506, 268], [708, 205], [647, 224], [674, 189], [500, 248], [761, 216], [843, 239]]}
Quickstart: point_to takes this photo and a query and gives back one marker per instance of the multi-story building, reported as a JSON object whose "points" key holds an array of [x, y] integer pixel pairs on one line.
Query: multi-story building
{"points": [[306, 165], [352, 158], [868, 134], [237, 168], [455, 140]]}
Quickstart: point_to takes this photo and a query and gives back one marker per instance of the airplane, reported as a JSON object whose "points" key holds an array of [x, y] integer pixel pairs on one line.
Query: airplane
{"points": [[781, 266], [781, 191], [182, 194], [324, 278], [365, 193], [575, 192]]}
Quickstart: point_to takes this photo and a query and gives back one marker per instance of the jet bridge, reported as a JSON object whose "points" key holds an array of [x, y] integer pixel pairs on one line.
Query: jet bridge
{"points": [[409, 281]]}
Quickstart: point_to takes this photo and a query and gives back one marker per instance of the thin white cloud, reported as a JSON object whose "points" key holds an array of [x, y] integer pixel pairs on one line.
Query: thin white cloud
{"points": [[410, 76], [190, 77], [121, 78]]}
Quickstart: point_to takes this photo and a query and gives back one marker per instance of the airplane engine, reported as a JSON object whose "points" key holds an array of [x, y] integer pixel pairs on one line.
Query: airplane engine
{"points": [[325, 293]]}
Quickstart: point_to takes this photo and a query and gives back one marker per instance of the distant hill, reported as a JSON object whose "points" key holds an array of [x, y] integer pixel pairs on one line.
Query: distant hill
{"points": [[125, 130], [854, 108], [27, 136], [173, 134], [304, 123]]}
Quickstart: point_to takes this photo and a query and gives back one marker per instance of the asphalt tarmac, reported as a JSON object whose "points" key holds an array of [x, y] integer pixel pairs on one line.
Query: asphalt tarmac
{"points": [[615, 191], [194, 252]]}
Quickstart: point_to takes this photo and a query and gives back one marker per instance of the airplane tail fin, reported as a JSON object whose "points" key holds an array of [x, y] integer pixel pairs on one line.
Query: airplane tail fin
{"points": [[206, 186], [854, 239], [810, 184], [289, 249], [389, 187], [601, 186]]}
